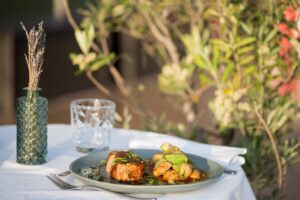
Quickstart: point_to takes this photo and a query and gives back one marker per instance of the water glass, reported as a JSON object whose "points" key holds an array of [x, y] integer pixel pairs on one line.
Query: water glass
{"points": [[92, 121]]}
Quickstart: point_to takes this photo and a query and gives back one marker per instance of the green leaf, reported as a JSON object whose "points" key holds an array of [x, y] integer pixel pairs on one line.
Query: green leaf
{"points": [[275, 50], [81, 41], [216, 56], [221, 44], [205, 80], [211, 12], [228, 54], [244, 42], [118, 117], [205, 35], [195, 35], [270, 117], [227, 72], [246, 28], [280, 123], [271, 35], [261, 30], [77, 60], [73, 57], [247, 60], [169, 85], [85, 38], [249, 70], [246, 49], [200, 62], [81, 70], [101, 61]]}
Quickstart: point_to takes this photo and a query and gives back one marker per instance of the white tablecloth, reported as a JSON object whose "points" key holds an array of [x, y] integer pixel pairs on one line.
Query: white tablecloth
{"points": [[18, 182]]}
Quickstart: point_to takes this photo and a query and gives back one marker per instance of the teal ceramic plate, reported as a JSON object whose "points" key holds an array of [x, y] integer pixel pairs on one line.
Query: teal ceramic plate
{"points": [[213, 169]]}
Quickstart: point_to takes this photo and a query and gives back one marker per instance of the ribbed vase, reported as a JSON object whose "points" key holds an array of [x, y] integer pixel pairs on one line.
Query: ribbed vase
{"points": [[32, 120]]}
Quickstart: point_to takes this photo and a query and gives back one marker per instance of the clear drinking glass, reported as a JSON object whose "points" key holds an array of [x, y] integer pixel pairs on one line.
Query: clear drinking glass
{"points": [[92, 121]]}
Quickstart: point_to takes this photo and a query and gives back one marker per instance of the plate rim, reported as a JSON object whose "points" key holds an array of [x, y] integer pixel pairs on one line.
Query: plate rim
{"points": [[143, 186]]}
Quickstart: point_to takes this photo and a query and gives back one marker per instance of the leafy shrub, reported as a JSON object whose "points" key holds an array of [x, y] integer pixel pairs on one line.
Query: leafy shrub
{"points": [[248, 51]]}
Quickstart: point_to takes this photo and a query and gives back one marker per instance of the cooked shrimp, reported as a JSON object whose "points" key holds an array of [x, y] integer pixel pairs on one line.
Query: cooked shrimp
{"points": [[171, 176], [161, 168], [195, 174]]}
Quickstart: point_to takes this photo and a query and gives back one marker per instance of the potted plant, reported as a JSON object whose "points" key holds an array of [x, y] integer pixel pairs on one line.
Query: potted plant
{"points": [[246, 52]]}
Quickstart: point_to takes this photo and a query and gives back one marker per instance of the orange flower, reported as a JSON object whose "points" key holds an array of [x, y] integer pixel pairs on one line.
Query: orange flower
{"points": [[287, 88], [283, 28], [294, 33], [285, 46], [290, 14]]}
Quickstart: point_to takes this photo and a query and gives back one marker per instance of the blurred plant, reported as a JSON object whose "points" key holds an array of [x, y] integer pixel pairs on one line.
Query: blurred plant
{"points": [[94, 55], [124, 120], [248, 51]]}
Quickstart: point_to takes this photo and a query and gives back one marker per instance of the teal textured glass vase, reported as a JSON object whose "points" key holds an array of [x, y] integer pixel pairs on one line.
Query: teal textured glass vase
{"points": [[32, 120]]}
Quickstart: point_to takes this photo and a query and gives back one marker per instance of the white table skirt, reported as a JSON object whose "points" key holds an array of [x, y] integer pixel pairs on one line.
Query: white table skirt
{"points": [[18, 182]]}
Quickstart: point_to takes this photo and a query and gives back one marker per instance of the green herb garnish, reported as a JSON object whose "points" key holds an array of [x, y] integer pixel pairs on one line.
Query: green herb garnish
{"points": [[102, 162], [176, 158]]}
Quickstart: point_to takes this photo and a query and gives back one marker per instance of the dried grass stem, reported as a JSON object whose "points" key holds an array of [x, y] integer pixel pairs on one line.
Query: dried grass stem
{"points": [[36, 38]]}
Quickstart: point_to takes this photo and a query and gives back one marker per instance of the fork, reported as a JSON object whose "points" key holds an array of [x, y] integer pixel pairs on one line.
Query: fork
{"points": [[66, 186], [65, 173]]}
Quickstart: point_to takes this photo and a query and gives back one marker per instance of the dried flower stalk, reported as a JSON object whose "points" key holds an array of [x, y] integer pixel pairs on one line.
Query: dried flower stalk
{"points": [[35, 56]]}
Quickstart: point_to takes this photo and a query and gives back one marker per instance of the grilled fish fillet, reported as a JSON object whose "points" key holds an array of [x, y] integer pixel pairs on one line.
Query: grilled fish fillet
{"points": [[125, 166]]}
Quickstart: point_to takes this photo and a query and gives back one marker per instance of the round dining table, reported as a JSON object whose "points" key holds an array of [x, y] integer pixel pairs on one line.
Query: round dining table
{"points": [[24, 182]]}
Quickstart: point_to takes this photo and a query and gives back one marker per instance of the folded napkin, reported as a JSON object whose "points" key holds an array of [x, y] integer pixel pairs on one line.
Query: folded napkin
{"points": [[222, 154]]}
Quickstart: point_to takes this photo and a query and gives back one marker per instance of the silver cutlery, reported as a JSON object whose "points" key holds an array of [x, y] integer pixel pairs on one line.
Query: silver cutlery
{"points": [[65, 173], [66, 186]]}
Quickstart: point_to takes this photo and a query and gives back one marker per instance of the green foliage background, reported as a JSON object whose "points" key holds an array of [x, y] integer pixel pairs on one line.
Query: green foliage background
{"points": [[231, 46]]}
